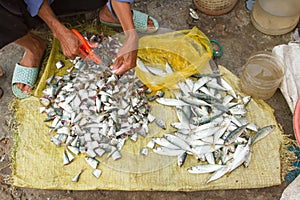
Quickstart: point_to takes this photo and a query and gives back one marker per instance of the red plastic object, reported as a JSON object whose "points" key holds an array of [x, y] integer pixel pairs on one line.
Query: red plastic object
{"points": [[86, 49], [296, 121]]}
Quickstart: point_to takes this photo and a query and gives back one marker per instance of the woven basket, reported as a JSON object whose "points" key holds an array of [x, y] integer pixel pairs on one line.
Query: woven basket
{"points": [[215, 7]]}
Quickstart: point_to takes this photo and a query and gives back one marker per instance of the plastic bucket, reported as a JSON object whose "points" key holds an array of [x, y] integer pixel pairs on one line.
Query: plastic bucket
{"points": [[271, 24], [262, 75]]}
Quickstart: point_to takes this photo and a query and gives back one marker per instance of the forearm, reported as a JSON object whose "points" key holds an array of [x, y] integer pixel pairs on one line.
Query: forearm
{"points": [[47, 15], [70, 44], [124, 14]]}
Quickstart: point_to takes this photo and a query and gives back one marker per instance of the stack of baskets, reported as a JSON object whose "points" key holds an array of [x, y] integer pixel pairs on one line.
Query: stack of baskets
{"points": [[215, 7]]}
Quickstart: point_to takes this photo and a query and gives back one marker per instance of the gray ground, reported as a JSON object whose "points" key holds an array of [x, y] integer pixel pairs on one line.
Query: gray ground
{"points": [[239, 39]]}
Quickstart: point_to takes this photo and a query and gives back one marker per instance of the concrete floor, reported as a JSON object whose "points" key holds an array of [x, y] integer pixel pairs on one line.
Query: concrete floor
{"points": [[239, 39]]}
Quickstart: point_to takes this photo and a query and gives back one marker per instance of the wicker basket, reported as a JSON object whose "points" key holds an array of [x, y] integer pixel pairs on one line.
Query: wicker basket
{"points": [[215, 7]]}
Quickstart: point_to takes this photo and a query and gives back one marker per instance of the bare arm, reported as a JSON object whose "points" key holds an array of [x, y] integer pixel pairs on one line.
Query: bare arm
{"points": [[70, 44]]}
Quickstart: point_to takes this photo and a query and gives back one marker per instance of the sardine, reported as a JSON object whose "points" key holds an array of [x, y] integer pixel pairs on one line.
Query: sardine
{"points": [[263, 132], [204, 168], [181, 159], [168, 152], [234, 134], [171, 102], [218, 173]]}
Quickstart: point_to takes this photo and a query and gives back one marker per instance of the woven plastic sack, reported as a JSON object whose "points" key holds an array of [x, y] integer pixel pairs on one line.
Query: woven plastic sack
{"points": [[187, 51]]}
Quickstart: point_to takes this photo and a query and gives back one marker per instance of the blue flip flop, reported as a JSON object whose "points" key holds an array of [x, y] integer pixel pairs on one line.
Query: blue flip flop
{"points": [[25, 75], [140, 21]]}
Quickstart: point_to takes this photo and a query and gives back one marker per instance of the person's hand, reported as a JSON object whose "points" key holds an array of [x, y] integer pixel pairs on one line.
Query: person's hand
{"points": [[126, 58], [124, 61], [70, 44]]}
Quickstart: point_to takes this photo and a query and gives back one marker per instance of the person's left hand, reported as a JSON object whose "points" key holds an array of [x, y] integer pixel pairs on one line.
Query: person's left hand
{"points": [[126, 58], [124, 63]]}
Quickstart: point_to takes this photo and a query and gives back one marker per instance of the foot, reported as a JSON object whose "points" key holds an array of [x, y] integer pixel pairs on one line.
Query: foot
{"points": [[34, 49], [106, 16]]}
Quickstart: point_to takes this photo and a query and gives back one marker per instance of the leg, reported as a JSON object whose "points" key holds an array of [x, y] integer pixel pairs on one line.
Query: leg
{"points": [[127, 54], [107, 14], [34, 49], [14, 27]]}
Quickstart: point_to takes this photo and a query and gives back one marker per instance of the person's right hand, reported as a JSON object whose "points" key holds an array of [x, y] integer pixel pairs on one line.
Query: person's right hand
{"points": [[70, 44]]}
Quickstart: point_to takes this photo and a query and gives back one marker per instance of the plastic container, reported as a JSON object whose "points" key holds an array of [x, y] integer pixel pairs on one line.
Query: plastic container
{"points": [[275, 17], [281, 8], [262, 75]]}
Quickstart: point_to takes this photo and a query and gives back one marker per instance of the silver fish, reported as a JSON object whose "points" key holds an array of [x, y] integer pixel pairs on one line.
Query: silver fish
{"points": [[204, 168], [169, 68], [165, 143], [248, 159], [194, 101], [201, 150], [241, 157], [214, 85], [156, 71], [234, 134], [171, 102], [181, 159], [210, 158], [228, 87], [263, 132], [200, 82], [168, 152], [218, 173], [178, 142]]}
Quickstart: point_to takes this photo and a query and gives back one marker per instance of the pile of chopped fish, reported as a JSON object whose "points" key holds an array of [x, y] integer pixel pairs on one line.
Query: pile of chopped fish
{"points": [[212, 125], [94, 112]]}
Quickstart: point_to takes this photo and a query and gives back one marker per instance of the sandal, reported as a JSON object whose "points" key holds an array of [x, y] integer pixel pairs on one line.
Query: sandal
{"points": [[140, 21], [25, 75]]}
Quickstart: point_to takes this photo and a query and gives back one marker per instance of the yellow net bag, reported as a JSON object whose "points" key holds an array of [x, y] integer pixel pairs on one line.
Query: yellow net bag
{"points": [[187, 51]]}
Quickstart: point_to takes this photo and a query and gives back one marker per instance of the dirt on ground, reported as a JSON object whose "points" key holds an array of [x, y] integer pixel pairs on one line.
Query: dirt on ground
{"points": [[239, 39]]}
